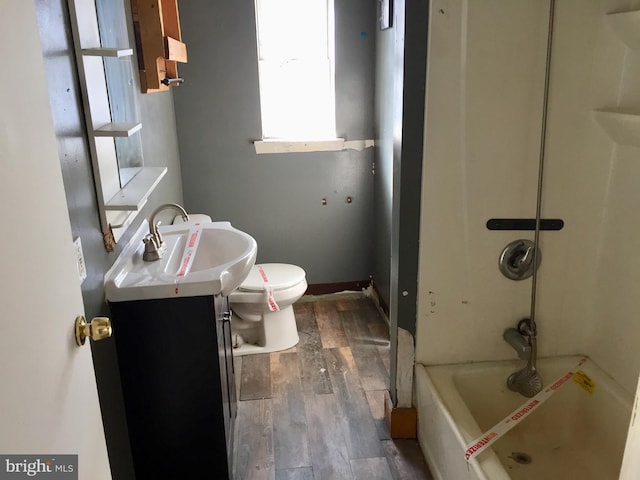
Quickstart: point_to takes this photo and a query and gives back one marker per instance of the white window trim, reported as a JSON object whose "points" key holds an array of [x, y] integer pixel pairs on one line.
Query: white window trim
{"points": [[304, 142], [302, 146]]}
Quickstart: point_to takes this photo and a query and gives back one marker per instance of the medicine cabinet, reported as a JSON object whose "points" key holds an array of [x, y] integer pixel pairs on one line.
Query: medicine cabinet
{"points": [[102, 37]]}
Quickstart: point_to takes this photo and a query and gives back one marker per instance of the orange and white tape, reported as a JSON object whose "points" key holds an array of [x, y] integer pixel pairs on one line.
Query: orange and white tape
{"points": [[190, 250], [481, 443], [271, 302]]}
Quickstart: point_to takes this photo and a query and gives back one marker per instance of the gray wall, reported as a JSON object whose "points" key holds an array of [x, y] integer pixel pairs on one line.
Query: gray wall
{"points": [[401, 54], [159, 142], [277, 197], [385, 104]]}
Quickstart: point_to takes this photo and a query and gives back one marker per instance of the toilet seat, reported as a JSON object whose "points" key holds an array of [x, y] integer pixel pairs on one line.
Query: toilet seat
{"points": [[279, 276]]}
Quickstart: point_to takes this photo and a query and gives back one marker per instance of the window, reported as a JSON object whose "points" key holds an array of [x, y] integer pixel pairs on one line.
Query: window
{"points": [[296, 69]]}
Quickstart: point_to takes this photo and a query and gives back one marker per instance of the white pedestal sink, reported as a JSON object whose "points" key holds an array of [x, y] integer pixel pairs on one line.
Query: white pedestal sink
{"points": [[200, 259]]}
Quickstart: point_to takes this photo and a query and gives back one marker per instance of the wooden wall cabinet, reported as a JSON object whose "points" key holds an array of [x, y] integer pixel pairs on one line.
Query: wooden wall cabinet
{"points": [[159, 43]]}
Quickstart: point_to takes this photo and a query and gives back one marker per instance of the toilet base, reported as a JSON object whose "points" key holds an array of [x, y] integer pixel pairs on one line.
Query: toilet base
{"points": [[278, 331]]}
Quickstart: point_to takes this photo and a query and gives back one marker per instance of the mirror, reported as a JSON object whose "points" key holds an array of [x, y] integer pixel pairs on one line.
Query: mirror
{"points": [[113, 26]]}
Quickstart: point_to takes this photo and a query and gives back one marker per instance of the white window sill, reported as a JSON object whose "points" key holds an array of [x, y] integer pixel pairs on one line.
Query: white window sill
{"points": [[301, 146]]}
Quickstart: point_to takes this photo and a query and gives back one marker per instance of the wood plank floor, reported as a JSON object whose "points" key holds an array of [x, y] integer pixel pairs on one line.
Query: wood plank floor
{"points": [[316, 411]]}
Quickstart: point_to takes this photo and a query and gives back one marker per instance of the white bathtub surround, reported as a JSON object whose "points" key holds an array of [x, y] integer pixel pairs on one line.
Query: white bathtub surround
{"points": [[483, 119], [484, 104], [574, 434]]}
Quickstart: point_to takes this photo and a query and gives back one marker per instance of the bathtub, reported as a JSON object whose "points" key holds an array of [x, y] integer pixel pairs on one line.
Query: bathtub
{"points": [[574, 434]]}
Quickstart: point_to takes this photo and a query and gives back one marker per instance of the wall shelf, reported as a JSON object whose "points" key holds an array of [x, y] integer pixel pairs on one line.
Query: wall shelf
{"points": [[622, 125], [107, 52], [117, 130], [134, 195], [627, 26]]}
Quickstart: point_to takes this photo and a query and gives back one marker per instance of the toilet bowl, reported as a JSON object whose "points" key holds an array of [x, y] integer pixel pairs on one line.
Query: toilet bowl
{"points": [[263, 319]]}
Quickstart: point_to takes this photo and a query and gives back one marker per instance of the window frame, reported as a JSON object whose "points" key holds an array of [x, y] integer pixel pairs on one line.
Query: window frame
{"points": [[301, 143]]}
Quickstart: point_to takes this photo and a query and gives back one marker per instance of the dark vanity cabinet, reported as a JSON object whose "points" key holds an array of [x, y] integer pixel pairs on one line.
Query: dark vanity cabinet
{"points": [[176, 369]]}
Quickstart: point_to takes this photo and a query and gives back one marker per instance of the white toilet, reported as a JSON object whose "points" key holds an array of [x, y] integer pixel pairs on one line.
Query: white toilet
{"points": [[263, 320]]}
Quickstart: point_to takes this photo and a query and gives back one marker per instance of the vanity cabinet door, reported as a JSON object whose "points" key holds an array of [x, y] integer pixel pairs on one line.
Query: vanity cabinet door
{"points": [[175, 382], [231, 373], [225, 358]]}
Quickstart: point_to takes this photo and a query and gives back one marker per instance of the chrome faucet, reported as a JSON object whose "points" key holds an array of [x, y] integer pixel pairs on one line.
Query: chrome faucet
{"points": [[518, 342], [526, 381], [154, 246]]}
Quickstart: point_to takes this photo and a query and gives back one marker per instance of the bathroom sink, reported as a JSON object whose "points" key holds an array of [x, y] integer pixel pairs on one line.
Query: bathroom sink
{"points": [[200, 259]]}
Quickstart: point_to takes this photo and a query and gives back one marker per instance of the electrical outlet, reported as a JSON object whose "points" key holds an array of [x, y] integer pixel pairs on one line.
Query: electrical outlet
{"points": [[82, 267]]}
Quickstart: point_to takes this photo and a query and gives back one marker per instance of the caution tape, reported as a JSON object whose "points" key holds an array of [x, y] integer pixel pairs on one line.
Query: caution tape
{"points": [[481, 443], [190, 250], [271, 302]]}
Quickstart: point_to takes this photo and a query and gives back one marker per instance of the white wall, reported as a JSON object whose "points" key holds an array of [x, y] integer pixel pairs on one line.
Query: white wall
{"points": [[484, 98], [484, 107], [592, 182]]}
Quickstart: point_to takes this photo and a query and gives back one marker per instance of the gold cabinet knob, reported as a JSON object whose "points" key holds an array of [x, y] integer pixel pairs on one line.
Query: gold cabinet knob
{"points": [[98, 329]]}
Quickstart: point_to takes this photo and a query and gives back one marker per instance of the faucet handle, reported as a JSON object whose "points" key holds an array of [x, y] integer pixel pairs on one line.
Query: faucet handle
{"points": [[147, 240], [157, 234], [150, 248], [522, 262]]}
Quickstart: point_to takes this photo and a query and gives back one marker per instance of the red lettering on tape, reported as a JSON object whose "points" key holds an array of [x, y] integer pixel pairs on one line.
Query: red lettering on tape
{"points": [[185, 264], [263, 275], [479, 444], [193, 238], [559, 383], [524, 410]]}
